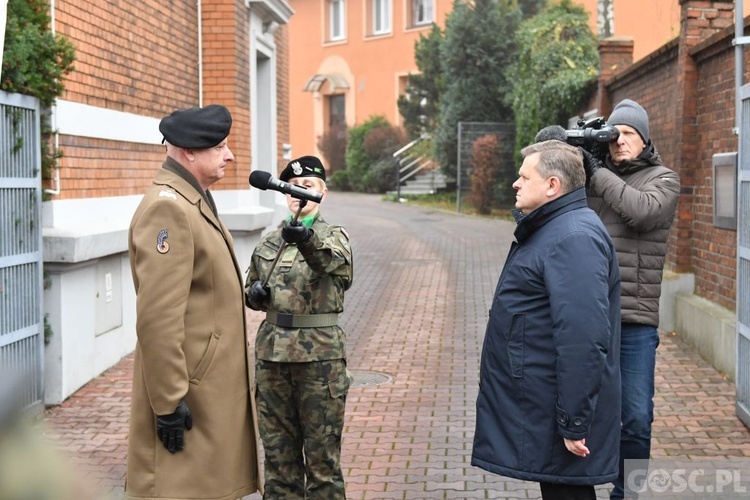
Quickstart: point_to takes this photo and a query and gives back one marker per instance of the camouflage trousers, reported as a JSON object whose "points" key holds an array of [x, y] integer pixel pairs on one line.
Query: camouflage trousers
{"points": [[301, 419]]}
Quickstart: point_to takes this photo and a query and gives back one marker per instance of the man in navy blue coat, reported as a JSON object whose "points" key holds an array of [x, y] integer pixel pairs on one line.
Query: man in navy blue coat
{"points": [[548, 408]]}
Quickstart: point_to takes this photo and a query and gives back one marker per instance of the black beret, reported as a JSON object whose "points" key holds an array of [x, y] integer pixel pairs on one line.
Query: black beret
{"points": [[197, 128], [304, 166]]}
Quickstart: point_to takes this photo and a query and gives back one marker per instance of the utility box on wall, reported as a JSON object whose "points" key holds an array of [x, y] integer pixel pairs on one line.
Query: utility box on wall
{"points": [[108, 294], [725, 190]]}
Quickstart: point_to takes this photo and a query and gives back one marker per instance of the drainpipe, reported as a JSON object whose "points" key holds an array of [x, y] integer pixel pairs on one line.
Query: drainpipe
{"points": [[200, 54], [53, 118], [739, 40]]}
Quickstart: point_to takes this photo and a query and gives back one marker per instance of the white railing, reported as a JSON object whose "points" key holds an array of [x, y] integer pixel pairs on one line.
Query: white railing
{"points": [[409, 163]]}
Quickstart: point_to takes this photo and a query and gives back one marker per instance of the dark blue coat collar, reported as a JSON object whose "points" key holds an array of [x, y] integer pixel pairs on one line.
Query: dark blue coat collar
{"points": [[527, 225]]}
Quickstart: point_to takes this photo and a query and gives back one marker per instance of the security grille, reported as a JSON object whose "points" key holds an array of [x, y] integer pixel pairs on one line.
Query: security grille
{"points": [[743, 263], [21, 314]]}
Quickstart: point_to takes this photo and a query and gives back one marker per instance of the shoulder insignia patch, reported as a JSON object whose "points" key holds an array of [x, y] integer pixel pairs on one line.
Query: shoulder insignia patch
{"points": [[162, 245], [167, 194]]}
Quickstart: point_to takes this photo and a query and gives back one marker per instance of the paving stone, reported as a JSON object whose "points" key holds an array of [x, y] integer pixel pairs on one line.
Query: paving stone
{"points": [[417, 311]]}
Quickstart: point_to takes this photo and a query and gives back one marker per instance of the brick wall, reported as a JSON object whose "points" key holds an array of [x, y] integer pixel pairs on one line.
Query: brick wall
{"points": [[145, 61], [653, 83], [95, 168], [226, 73], [714, 249], [282, 94], [687, 87], [132, 60], [140, 60]]}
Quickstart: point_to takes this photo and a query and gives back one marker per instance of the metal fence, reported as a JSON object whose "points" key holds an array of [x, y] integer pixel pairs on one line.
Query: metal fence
{"points": [[742, 367], [21, 312], [468, 133]]}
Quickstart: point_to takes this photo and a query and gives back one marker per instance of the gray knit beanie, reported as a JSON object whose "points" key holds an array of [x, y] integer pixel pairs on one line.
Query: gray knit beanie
{"points": [[630, 113]]}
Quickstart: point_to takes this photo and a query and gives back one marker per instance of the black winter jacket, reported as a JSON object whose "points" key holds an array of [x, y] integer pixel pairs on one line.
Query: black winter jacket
{"points": [[637, 201], [550, 360]]}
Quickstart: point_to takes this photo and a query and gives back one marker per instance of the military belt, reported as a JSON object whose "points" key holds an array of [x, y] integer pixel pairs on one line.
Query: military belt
{"points": [[302, 320]]}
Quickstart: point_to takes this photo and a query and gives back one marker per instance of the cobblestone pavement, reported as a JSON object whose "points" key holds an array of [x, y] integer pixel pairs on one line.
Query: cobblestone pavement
{"points": [[415, 319]]}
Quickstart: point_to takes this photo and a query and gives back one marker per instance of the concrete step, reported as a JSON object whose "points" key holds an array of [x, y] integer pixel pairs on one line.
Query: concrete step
{"points": [[428, 182]]}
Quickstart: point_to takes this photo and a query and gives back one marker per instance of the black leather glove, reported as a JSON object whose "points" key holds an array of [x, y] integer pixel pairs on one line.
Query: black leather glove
{"points": [[170, 429], [294, 232], [256, 294], [590, 164]]}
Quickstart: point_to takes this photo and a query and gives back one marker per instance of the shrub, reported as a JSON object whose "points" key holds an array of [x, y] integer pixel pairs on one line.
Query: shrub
{"points": [[340, 180], [484, 176], [381, 177], [357, 159], [477, 52], [34, 63], [556, 70], [332, 145], [369, 143], [420, 104], [383, 141]]}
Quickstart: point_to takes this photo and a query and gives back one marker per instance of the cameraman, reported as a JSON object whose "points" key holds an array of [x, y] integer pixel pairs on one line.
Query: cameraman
{"points": [[636, 198]]}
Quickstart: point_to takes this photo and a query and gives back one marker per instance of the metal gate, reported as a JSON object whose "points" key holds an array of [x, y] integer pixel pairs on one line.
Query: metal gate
{"points": [[21, 313], [743, 262]]}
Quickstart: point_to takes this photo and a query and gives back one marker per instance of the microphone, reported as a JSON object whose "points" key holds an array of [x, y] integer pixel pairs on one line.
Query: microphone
{"points": [[263, 180], [550, 133]]}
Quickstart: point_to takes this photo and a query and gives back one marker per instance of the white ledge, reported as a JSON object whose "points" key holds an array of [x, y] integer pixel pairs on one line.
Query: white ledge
{"points": [[80, 230]]}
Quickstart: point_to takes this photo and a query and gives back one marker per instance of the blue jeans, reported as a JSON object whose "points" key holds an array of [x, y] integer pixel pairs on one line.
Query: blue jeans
{"points": [[637, 362]]}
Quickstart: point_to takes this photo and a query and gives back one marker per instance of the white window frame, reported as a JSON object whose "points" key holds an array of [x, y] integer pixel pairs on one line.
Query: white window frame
{"points": [[381, 17], [337, 30], [427, 7]]}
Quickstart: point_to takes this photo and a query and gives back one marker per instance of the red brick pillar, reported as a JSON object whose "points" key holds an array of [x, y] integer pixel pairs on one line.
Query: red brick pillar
{"points": [[282, 95], [699, 19], [615, 54], [226, 70]]}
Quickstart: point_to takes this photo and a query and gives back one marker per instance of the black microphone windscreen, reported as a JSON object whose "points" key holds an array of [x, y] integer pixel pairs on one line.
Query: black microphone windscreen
{"points": [[259, 179], [551, 133]]}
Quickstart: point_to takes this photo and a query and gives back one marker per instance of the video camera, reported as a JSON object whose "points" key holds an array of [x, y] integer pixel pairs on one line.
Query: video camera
{"points": [[590, 132]]}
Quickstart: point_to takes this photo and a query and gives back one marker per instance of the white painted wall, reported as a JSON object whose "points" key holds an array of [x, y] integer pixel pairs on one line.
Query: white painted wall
{"points": [[82, 120]]}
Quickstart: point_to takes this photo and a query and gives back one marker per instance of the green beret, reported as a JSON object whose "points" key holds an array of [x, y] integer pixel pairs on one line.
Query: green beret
{"points": [[305, 166], [197, 128]]}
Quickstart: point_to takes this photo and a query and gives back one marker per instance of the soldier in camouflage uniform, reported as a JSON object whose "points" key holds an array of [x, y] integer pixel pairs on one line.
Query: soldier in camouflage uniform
{"points": [[300, 350]]}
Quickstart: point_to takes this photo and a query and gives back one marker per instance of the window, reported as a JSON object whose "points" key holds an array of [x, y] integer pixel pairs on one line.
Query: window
{"points": [[381, 17], [337, 111], [336, 18], [333, 143], [422, 12]]}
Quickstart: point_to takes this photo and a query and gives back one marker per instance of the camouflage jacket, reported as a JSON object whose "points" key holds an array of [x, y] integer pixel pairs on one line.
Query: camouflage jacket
{"points": [[309, 278]]}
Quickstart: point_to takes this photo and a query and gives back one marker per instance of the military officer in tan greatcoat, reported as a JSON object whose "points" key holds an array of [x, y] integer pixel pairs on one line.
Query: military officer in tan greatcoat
{"points": [[193, 432]]}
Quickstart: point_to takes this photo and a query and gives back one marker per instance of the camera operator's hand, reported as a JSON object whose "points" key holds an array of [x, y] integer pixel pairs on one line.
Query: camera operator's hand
{"points": [[294, 232], [256, 294], [590, 164], [170, 429], [598, 150]]}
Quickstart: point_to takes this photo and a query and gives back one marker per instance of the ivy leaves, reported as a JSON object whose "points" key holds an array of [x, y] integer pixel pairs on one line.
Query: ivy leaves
{"points": [[556, 68]]}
